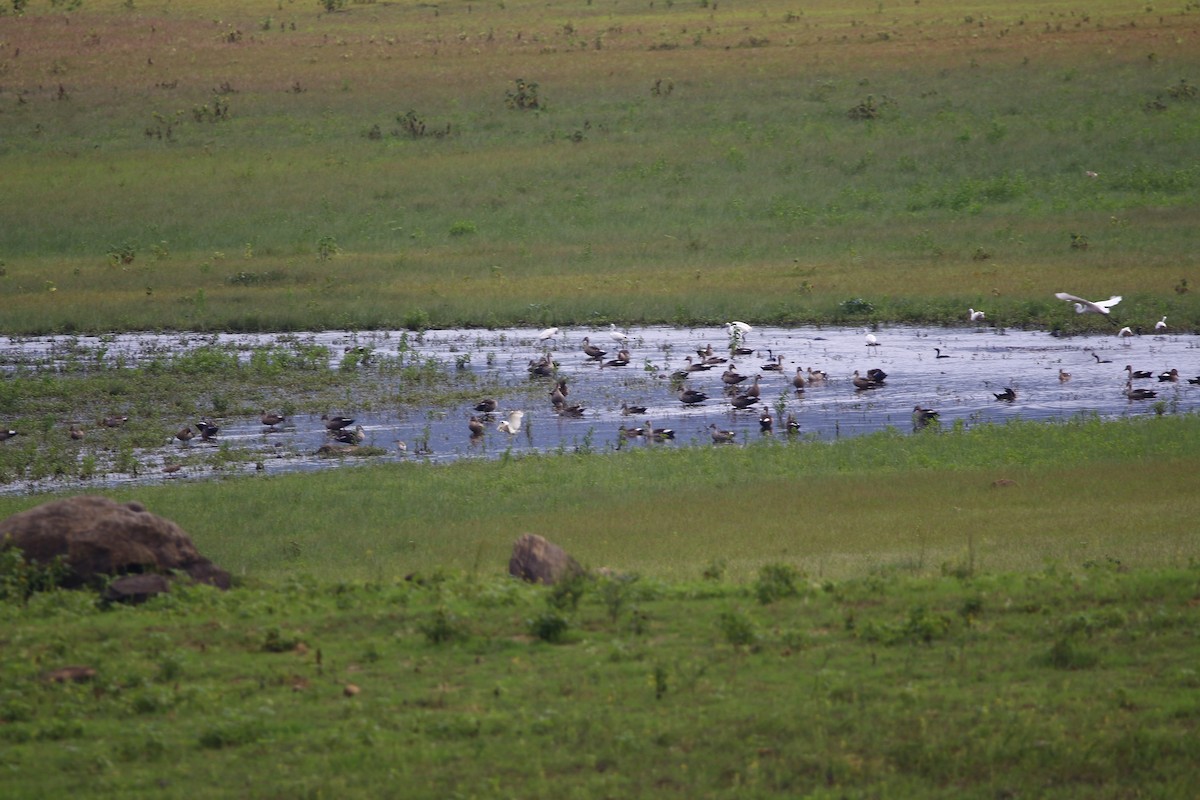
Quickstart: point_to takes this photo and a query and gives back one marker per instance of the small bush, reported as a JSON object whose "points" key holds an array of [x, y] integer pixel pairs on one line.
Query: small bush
{"points": [[443, 626], [1067, 654], [21, 579], [775, 581], [739, 629], [524, 98], [549, 626]]}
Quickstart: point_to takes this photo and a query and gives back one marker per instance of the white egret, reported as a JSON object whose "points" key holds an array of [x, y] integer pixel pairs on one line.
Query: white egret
{"points": [[512, 424], [872, 341], [1088, 306], [1161, 325], [547, 335], [1125, 332], [974, 316], [616, 335]]}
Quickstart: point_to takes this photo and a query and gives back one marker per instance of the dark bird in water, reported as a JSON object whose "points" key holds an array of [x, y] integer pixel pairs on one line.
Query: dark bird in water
{"points": [[862, 384], [475, 426], [184, 434], [877, 375], [271, 420], [77, 432], [1138, 394], [657, 434], [1137, 374], [486, 406], [336, 423], [775, 365], [351, 437], [923, 416], [793, 424], [765, 422], [628, 409], [207, 429], [730, 376], [691, 397], [629, 433], [594, 353], [798, 379], [1170, 376], [1100, 360], [939, 352], [743, 401], [1009, 394], [114, 422], [6, 434], [719, 436]]}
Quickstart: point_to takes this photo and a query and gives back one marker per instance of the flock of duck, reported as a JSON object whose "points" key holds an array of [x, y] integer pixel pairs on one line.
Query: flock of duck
{"points": [[743, 391]]}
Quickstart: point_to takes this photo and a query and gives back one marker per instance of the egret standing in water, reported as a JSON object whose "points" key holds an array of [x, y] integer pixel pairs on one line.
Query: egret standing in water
{"points": [[974, 316]]}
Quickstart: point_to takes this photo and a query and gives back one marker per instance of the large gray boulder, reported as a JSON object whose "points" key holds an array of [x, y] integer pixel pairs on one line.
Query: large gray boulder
{"points": [[98, 537], [537, 560]]}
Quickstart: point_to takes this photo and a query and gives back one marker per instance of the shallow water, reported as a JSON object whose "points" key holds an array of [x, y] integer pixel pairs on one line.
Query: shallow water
{"points": [[976, 364]]}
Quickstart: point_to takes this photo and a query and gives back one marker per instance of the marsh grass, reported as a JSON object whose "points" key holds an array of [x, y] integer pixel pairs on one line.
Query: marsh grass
{"points": [[608, 201]]}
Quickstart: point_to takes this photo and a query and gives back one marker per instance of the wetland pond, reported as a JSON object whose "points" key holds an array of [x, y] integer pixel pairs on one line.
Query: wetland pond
{"points": [[960, 383]]}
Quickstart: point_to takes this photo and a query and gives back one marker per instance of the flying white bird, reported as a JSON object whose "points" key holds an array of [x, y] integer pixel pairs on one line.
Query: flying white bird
{"points": [[1087, 306], [513, 423], [974, 316], [1161, 325]]}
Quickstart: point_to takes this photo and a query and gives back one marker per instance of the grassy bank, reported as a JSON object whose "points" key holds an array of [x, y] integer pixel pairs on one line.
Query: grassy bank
{"points": [[1086, 491], [385, 166]]}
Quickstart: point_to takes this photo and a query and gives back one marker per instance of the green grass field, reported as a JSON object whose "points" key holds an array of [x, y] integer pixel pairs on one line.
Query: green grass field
{"points": [[868, 618], [273, 166]]}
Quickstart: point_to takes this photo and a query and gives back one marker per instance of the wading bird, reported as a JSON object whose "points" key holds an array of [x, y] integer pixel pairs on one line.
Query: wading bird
{"points": [[271, 420], [974, 316], [1161, 325]]}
